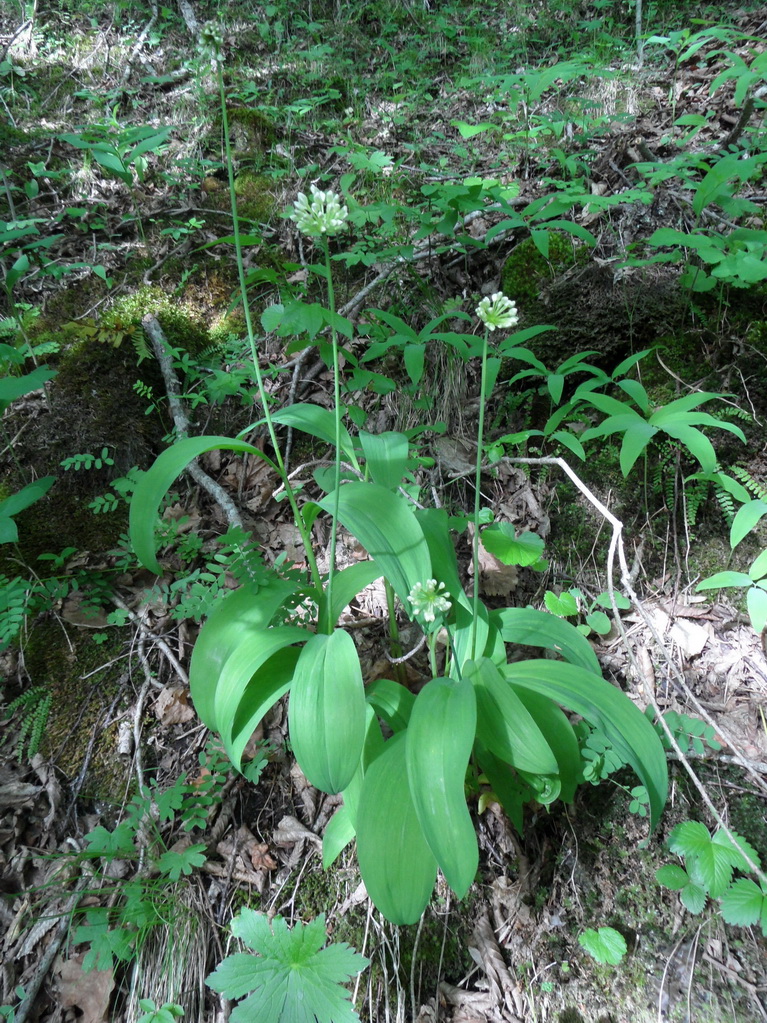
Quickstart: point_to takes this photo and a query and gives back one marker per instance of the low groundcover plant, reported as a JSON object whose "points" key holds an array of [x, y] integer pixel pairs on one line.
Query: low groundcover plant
{"points": [[400, 760]]}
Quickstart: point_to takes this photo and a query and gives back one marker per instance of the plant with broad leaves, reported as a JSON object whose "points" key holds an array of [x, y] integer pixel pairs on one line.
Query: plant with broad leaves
{"points": [[710, 861], [168, 1012], [291, 978], [399, 760]]}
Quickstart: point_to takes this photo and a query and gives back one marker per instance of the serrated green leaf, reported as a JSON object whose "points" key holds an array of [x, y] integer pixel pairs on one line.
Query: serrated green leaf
{"points": [[293, 978], [605, 945], [744, 904], [174, 864], [672, 876], [694, 898]]}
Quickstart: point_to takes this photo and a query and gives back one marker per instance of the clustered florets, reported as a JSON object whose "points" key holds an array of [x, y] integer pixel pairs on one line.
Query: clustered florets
{"points": [[429, 599], [322, 214], [498, 311]]}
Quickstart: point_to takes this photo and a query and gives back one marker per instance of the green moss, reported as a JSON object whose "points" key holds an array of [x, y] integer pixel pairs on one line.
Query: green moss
{"points": [[181, 325], [526, 268], [251, 130], [254, 200], [76, 671]]}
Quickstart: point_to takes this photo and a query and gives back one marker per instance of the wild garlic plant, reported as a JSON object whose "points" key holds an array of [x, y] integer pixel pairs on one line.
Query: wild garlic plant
{"points": [[398, 757]]}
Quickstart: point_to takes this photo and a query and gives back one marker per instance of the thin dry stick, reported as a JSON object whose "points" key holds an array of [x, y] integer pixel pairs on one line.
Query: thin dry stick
{"points": [[155, 639], [616, 546], [160, 345]]}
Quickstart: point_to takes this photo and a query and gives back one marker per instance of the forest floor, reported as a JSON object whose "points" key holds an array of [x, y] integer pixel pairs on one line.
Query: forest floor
{"points": [[115, 696]]}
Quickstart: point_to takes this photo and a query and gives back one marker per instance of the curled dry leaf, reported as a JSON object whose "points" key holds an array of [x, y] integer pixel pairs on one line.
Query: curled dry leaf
{"points": [[172, 706]]}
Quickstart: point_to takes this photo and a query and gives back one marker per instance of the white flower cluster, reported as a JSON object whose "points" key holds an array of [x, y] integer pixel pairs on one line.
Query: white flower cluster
{"points": [[322, 214], [498, 311], [429, 599]]}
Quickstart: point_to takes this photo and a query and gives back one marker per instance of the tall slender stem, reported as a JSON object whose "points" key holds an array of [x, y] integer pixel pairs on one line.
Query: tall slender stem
{"points": [[477, 488], [263, 397], [337, 411]]}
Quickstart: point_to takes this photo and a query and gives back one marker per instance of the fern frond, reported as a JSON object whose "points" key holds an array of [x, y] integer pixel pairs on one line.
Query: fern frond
{"points": [[754, 486]]}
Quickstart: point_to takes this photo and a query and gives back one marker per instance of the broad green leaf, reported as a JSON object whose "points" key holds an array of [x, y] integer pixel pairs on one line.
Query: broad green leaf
{"points": [[599, 622], [235, 615], [609, 710], [348, 583], [414, 357], [372, 749], [560, 736], [759, 566], [694, 898], [501, 540], [339, 832], [721, 579], [26, 496], [392, 701], [12, 388], [507, 786], [635, 440], [756, 603], [605, 945], [697, 443], [526, 626], [745, 520], [562, 606], [318, 422], [327, 710], [244, 692], [711, 858], [504, 724], [387, 528], [397, 866], [438, 745], [386, 457], [155, 482]]}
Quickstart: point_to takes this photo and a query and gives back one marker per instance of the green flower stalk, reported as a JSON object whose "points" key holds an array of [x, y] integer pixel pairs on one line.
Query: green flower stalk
{"points": [[321, 217], [496, 312]]}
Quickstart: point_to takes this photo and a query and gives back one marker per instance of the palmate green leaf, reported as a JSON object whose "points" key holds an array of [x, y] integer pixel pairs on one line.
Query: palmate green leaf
{"points": [[388, 530], [744, 903], [609, 710], [504, 724], [154, 483], [174, 864], [327, 711], [293, 979], [397, 866], [438, 744]]}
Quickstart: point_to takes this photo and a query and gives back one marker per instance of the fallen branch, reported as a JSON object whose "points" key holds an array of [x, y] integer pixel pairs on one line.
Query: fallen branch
{"points": [[161, 349]]}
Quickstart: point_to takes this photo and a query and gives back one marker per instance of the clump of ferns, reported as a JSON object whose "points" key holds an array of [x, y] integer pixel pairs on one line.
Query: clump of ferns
{"points": [[32, 708]]}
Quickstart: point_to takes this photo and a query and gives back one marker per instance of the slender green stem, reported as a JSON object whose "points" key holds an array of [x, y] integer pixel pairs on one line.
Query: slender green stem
{"points": [[477, 488], [263, 397], [432, 642], [337, 410]]}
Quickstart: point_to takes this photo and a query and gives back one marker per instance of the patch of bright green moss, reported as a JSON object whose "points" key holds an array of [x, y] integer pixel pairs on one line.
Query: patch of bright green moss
{"points": [[526, 268]]}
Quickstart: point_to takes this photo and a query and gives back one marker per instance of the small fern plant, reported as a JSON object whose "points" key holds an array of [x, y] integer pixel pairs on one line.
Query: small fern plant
{"points": [[291, 978], [33, 708]]}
